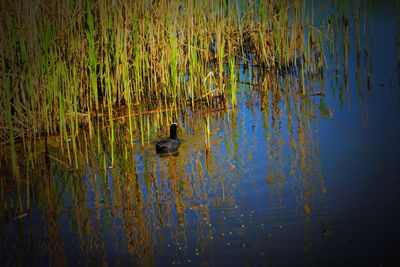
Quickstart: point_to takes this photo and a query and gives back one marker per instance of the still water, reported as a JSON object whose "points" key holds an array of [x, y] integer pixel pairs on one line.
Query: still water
{"points": [[275, 181]]}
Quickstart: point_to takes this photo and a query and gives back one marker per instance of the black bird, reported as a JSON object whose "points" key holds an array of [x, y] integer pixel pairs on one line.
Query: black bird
{"points": [[171, 144]]}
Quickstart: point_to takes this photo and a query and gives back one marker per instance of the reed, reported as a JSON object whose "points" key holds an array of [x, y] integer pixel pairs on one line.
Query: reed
{"points": [[14, 163], [93, 56], [78, 66]]}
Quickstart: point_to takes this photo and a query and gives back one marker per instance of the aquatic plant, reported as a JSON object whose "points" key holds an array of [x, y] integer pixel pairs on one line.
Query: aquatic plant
{"points": [[75, 62], [77, 68]]}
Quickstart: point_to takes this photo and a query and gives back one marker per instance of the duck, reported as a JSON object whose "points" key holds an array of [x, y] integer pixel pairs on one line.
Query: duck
{"points": [[169, 145]]}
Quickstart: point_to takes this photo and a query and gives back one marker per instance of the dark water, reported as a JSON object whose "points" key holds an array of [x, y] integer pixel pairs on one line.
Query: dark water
{"points": [[276, 181]]}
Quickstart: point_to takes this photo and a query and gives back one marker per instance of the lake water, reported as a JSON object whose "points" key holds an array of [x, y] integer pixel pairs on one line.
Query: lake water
{"points": [[276, 181]]}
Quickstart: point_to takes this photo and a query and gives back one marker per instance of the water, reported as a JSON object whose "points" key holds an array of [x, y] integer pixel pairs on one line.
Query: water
{"points": [[276, 181]]}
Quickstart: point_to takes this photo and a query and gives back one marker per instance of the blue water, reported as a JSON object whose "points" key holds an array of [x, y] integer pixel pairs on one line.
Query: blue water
{"points": [[280, 183]]}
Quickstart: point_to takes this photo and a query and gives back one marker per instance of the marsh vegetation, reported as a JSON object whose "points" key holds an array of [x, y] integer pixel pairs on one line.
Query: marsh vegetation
{"points": [[89, 86]]}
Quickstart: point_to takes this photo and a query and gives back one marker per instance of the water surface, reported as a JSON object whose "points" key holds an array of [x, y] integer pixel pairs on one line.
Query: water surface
{"points": [[286, 180]]}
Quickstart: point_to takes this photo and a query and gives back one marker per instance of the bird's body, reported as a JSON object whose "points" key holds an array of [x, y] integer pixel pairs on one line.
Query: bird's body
{"points": [[166, 145], [169, 145]]}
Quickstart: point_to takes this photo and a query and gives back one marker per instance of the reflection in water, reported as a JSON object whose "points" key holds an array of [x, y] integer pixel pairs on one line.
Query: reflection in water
{"points": [[143, 209], [292, 148], [247, 185]]}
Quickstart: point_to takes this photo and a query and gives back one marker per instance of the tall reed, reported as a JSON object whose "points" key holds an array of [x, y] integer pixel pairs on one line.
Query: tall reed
{"points": [[85, 64]]}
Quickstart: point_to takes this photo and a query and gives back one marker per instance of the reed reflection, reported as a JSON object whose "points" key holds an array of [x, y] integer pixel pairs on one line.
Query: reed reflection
{"points": [[125, 200], [294, 169]]}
